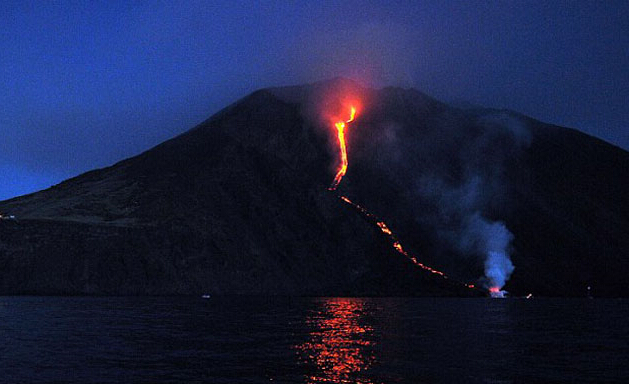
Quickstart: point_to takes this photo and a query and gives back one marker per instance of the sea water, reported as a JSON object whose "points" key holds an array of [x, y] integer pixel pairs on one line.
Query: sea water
{"points": [[312, 340]]}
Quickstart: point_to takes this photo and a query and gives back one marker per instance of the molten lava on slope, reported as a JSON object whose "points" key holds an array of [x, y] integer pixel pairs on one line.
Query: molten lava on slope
{"points": [[384, 228]]}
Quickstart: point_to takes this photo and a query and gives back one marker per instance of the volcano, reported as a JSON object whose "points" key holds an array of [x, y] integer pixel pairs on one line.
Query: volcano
{"points": [[240, 205]]}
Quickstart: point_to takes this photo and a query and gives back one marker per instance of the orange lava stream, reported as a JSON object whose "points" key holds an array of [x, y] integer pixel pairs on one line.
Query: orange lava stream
{"points": [[340, 127], [394, 241]]}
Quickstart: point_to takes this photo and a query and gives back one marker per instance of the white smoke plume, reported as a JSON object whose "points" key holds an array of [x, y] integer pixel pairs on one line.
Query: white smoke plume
{"points": [[492, 239], [498, 268], [462, 210]]}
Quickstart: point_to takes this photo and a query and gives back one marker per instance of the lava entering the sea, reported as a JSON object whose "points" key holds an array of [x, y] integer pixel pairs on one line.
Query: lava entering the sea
{"points": [[497, 293]]}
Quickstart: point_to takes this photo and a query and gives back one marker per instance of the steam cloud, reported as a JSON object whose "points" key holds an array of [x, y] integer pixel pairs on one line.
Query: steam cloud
{"points": [[463, 207], [491, 239]]}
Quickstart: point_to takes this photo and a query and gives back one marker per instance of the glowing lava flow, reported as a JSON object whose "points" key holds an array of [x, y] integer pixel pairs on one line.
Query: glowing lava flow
{"points": [[340, 128], [396, 243]]}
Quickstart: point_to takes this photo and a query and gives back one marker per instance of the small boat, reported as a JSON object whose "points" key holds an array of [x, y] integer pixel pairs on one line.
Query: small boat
{"points": [[205, 296]]}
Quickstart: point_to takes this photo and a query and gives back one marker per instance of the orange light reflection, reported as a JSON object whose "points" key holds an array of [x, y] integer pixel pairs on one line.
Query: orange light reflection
{"points": [[339, 345]]}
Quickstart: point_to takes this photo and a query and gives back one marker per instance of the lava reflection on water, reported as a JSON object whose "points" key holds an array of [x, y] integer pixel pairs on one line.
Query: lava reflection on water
{"points": [[340, 347]]}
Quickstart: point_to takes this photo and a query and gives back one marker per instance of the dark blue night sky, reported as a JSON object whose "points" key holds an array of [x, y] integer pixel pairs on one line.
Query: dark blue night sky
{"points": [[85, 84]]}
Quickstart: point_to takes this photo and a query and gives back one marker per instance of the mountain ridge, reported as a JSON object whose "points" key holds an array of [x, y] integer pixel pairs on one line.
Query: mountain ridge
{"points": [[244, 192]]}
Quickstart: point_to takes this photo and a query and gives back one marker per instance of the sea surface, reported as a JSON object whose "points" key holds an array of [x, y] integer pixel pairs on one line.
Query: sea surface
{"points": [[312, 340]]}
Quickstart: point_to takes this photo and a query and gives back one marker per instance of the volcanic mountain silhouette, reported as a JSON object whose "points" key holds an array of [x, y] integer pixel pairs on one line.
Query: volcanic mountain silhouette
{"points": [[239, 205]]}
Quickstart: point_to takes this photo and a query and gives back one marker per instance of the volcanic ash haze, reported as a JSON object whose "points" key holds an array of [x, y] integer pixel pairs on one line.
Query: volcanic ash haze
{"points": [[239, 205]]}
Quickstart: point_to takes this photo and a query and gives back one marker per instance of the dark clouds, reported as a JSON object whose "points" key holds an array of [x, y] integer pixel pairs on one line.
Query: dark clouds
{"points": [[85, 84]]}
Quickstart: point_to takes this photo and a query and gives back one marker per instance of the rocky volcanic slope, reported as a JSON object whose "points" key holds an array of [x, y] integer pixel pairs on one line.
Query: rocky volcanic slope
{"points": [[239, 205]]}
